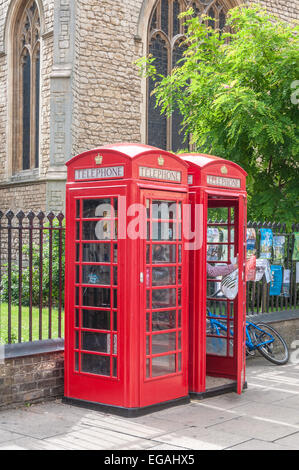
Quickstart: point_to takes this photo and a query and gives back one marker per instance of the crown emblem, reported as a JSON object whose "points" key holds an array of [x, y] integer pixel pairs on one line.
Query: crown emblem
{"points": [[161, 161], [98, 159], [224, 170]]}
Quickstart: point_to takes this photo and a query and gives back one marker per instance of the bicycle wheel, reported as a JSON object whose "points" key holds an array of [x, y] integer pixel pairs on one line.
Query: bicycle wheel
{"points": [[276, 352]]}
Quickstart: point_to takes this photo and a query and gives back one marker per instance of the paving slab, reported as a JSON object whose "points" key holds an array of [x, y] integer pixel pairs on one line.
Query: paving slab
{"points": [[148, 428], [273, 412], [8, 436], [31, 424], [202, 439], [195, 415], [255, 428], [291, 440], [256, 444]]}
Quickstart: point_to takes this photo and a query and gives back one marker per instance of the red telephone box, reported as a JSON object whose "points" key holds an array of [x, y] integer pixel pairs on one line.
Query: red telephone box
{"points": [[217, 188], [126, 339]]}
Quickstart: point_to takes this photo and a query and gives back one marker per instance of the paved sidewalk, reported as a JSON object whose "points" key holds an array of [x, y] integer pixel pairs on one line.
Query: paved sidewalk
{"points": [[266, 416]]}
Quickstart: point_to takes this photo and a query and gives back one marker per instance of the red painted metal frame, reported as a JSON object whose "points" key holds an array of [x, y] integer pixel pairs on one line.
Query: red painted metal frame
{"points": [[200, 192], [130, 388]]}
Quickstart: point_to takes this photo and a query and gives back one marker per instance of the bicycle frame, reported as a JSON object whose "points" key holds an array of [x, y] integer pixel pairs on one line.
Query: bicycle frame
{"points": [[218, 326]]}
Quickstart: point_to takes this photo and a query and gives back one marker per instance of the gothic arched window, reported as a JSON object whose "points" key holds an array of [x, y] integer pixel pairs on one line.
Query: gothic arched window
{"points": [[26, 88], [165, 35]]}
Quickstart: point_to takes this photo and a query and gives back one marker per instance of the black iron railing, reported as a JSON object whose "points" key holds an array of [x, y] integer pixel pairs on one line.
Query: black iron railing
{"points": [[258, 299], [32, 276]]}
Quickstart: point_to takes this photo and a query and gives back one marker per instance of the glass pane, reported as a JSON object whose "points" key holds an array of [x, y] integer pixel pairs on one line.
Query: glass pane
{"points": [[163, 298], [180, 319], [148, 322], [218, 308], [164, 320], [115, 205], [77, 230], [163, 343], [157, 123], [148, 347], [115, 253], [216, 346], [180, 362], [26, 111], [96, 275], [95, 364], [114, 366], [77, 252], [217, 253], [99, 342], [148, 368], [96, 297], [96, 252], [163, 276], [148, 299], [76, 361], [164, 254], [97, 208], [115, 321], [179, 297], [180, 254], [37, 107], [164, 210], [77, 318], [100, 230], [164, 231], [114, 298], [96, 319], [115, 275], [163, 365]]}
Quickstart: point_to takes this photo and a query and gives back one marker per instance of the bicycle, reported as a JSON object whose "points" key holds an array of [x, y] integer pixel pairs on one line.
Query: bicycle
{"points": [[259, 336]]}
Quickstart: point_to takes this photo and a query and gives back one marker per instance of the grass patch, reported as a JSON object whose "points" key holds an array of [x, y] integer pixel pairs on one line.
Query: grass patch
{"points": [[25, 323]]}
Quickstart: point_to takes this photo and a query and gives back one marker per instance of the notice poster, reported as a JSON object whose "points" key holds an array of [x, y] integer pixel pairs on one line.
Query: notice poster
{"points": [[250, 242], [213, 236], [262, 268], [297, 272], [278, 249], [286, 283], [276, 280], [250, 268], [266, 243], [295, 256]]}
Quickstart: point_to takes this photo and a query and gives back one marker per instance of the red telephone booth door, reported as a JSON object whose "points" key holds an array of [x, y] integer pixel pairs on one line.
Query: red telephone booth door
{"points": [[225, 347], [93, 349], [164, 299]]}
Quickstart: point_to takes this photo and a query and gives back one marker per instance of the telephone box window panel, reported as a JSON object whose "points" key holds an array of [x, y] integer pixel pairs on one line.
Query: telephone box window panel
{"points": [[95, 266]]}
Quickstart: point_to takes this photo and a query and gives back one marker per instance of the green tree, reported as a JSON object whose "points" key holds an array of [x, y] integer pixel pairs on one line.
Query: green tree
{"points": [[234, 91]]}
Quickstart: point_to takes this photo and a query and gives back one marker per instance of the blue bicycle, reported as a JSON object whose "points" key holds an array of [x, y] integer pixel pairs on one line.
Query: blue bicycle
{"points": [[260, 337]]}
